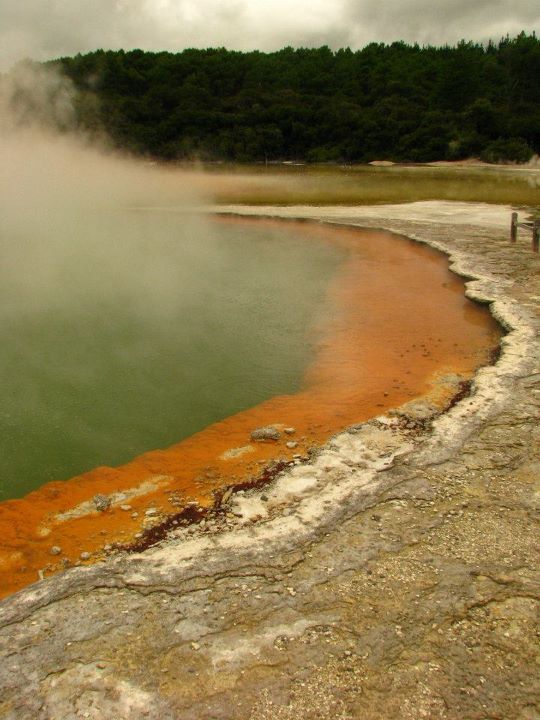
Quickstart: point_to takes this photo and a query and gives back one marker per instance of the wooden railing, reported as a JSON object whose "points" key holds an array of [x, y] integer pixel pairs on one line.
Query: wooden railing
{"points": [[533, 225]]}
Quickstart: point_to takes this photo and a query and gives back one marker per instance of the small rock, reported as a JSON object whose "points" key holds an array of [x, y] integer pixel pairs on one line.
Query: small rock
{"points": [[102, 502], [125, 508], [265, 433], [289, 431], [85, 556], [264, 498], [195, 646], [55, 550], [292, 444], [135, 515], [151, 512], [226, 496]]}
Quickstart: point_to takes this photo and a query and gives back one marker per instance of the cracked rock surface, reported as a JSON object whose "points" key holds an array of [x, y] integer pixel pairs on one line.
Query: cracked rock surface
{"points": [[398, 579]]}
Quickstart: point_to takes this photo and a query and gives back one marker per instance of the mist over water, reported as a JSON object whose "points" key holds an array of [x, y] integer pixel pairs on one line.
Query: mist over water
{"points": [[123, 330]]}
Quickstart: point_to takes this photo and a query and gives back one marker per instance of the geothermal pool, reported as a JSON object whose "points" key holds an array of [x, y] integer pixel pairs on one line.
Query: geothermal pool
{"points": [[139, 359], [146, 333]]}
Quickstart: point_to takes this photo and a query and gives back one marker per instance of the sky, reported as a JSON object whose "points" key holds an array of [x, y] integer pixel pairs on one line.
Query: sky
{"points": [[45, 29]]}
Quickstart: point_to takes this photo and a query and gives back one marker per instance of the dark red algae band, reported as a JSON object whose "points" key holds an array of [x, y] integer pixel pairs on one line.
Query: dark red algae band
{"points": [[464, 390], [193, 514], [495, 354], [465, 387]]}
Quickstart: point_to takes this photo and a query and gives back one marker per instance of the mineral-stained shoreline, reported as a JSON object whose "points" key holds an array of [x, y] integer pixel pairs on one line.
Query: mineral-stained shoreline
{"points": [[392, 576]]}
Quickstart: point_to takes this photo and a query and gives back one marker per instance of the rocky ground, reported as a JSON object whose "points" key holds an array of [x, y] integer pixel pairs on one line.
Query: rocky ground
{"points": [[393, 575]]}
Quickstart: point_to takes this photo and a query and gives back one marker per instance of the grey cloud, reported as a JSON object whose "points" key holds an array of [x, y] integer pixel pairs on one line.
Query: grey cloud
{"points": [[49, 28], [437, 21], [45, 29]]}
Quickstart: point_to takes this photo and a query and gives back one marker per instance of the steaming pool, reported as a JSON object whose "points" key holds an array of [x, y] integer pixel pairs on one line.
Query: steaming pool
{"points": [[142, 328], [146, 332], [141, 349]]}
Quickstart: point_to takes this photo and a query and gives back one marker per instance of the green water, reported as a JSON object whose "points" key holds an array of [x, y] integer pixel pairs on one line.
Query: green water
{"points": [[131, 331], [366, 185]]}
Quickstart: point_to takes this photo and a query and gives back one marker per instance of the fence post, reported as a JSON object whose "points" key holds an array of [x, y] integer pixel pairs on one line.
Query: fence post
{"points": [[514, 227], [535, 235]]}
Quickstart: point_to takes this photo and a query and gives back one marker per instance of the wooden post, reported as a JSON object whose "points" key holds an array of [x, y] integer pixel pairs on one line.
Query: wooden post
{"points": [[514, 227], [535, 235]]}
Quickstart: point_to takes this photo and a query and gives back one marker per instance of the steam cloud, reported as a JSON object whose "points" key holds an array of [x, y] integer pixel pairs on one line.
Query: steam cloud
{"points": [[123, 329], [73, 245], [63, 197], [88, 283]]}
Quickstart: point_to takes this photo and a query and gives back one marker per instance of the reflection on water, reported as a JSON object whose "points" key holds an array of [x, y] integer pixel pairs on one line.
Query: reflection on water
{"points": [[371, 185]]}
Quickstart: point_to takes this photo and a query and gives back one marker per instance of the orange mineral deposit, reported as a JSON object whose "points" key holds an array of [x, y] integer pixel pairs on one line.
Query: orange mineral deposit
{"points": [[396, 319]]}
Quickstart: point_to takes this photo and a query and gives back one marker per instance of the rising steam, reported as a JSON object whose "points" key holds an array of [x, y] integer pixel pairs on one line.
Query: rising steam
{"points": [[64, 199], [124, 329], [73, 254]]}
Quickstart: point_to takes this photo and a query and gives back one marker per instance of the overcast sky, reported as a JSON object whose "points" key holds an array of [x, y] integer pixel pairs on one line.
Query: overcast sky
{"points": [[44, 29]]}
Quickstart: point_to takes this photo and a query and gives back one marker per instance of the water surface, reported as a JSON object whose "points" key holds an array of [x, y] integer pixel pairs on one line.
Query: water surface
{"points": [[367, 185], [131, 331]]}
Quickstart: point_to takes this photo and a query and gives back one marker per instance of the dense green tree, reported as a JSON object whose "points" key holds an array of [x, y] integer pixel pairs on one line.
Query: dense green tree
{"points": [[399, 102]]}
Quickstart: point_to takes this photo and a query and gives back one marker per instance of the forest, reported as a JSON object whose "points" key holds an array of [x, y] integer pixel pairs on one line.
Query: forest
{"points": [[398, 102]]}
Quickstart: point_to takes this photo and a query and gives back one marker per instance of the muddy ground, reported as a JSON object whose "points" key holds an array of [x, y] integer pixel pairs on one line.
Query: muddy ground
{"points": [[394, 575]]}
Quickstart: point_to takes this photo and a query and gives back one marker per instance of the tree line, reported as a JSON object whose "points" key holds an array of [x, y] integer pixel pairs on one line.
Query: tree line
{"points": [[395, 102]]}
